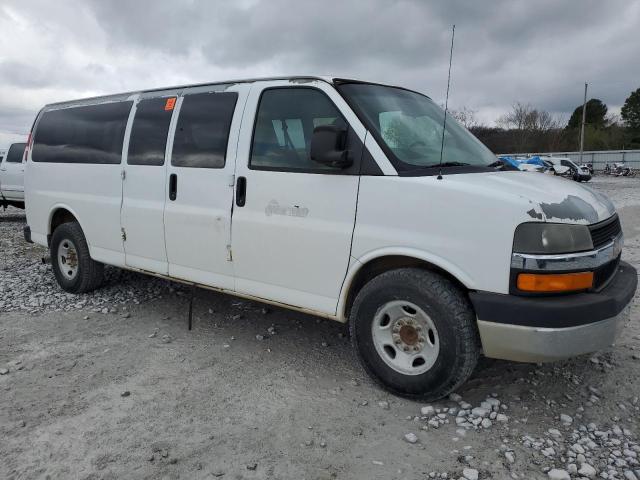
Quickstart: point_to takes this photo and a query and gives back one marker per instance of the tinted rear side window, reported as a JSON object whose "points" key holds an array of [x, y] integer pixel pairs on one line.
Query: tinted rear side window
{"points": [[149, 132], [16, 152], [202, 132], [88, 134]]}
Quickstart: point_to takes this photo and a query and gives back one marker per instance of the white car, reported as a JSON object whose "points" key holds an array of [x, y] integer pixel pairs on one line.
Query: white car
{"points": [[332, 197], [12, 176], [568, 168]]}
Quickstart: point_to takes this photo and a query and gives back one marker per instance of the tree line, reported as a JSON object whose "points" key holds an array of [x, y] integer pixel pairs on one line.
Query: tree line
{"points": [[526, 128]]}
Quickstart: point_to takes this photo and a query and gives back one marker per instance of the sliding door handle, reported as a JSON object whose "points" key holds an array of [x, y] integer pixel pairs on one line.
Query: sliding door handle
{"points": [[173, 186], [241, 191]]}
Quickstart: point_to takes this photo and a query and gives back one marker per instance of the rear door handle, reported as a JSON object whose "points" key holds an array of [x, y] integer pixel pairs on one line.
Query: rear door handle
{"points": [[173, 186], [241, 191]]}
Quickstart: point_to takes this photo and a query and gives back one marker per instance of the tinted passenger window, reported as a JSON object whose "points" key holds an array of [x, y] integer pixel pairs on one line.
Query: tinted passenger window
{"points": [[284, 126], [202, 132], [89, 134], [16, 152], [148, 139]]}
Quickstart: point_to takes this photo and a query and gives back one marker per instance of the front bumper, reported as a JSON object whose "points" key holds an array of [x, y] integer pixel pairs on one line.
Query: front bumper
{"points": [[539, 329]]}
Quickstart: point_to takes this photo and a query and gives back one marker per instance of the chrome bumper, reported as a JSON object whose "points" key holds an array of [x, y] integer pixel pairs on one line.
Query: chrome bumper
{"points": [[536, 344]]}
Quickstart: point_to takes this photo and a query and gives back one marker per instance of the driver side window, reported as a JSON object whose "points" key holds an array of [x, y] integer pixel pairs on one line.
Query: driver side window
{"points": [[284, 126]]}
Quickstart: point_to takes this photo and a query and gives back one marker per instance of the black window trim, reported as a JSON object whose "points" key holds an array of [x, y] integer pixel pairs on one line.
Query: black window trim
{"points": [[352, 170], [228, 133]]}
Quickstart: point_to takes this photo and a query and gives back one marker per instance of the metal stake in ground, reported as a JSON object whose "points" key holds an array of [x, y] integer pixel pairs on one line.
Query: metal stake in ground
{"points": [[193, 292]]}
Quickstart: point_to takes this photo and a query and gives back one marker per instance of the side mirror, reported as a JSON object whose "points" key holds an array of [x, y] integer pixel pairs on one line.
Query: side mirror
{"points": [[328, 146]]}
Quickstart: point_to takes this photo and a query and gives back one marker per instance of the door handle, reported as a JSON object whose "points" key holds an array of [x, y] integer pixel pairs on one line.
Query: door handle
{"points": [[173, 186], [241, 191]]}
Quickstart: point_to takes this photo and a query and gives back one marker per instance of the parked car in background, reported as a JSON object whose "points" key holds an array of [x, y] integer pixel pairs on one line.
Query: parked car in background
{"points": [[333, 197], [12, 176], [566, 167]]}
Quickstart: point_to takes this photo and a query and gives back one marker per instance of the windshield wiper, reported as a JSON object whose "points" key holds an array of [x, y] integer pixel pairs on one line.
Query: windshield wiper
{"points": [[450, 164]]}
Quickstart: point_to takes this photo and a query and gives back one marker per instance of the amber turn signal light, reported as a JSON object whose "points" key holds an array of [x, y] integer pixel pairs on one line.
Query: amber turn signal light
{"points": [[555, 282]]}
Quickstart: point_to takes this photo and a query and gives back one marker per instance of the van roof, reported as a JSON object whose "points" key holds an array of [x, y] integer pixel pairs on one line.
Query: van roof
{"points": [[124, 95]]}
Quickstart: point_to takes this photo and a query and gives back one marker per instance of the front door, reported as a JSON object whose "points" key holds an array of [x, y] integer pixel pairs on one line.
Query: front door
{"points": [[144, 186], [293, 219], [197, 215]]}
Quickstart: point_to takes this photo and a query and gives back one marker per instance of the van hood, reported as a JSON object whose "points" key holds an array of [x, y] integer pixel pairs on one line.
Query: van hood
{"points": [[548, 198]]}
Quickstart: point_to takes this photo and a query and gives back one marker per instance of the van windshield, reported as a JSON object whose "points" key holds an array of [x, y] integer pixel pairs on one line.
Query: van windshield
{"points": [[408, 126]]}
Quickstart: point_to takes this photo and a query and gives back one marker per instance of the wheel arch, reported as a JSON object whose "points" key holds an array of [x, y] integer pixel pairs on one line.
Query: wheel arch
{"points": [[371, 265], [58, 215]]}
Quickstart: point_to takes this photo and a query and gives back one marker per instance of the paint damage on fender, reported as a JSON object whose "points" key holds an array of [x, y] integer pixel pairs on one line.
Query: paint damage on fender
{"points": [[571, 208]]}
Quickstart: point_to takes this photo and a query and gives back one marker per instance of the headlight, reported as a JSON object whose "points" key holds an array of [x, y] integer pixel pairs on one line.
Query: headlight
{"points": [[551, 238]]}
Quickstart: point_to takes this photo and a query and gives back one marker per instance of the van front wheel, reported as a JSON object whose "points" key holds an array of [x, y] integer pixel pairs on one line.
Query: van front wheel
{"points": [[75, 270], [415, 333]]}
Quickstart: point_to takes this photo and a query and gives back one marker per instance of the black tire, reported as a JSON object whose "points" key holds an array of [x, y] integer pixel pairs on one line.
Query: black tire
{"points": [[450, 311], [89, 273]]}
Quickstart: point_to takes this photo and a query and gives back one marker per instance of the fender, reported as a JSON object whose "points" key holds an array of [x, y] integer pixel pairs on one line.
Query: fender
{"points": [[357, 263], [59, 206]]}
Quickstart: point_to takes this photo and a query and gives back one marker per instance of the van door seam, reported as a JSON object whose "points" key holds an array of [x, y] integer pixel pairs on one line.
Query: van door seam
{"points": [[235, 175], [353, 230]]}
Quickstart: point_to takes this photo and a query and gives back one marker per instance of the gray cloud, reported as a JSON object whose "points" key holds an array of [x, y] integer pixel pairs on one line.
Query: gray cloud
{"points": [[506, 51]]}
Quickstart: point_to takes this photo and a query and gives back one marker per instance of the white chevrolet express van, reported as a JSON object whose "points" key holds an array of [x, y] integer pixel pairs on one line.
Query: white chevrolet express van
{"points": [[330, 196]]}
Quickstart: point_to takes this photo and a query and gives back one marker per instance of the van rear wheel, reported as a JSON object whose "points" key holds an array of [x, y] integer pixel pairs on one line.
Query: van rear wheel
{"points": [[414, 332], [75, 270]]}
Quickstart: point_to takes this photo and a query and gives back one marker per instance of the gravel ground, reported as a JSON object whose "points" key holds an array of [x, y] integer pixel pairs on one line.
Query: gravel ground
{"points": [[112, 385]]}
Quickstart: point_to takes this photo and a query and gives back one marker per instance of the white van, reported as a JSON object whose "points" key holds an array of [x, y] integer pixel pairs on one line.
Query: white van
{"points": [[12, 176], [566, 167], [332, 197]]}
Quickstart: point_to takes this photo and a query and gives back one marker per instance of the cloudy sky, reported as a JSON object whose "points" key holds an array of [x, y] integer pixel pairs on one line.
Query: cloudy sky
{"points": [[539, 52]]}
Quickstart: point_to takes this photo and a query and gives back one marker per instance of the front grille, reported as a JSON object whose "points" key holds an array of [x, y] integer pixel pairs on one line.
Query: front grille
{"points": [[602, 233], [603, 274]]}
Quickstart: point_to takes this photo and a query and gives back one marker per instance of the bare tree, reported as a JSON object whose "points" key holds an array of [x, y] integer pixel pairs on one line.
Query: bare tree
{"points": [[518, 118], [466, 117], [532, 128]]}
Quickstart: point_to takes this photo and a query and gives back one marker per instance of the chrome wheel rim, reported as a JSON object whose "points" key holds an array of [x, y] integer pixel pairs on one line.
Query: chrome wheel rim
{"points": [[405, 337], [68, 259]]}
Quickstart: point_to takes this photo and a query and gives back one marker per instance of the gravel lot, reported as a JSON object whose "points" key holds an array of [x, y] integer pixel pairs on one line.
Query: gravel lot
{"points": [[112, 385]]}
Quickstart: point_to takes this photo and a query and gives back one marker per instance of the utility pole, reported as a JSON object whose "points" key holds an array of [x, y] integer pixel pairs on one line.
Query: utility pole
{"points": [[584, 114]]}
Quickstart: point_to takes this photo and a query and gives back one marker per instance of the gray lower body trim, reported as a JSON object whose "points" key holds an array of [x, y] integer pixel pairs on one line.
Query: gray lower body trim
{"points": [[535, 344]]}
